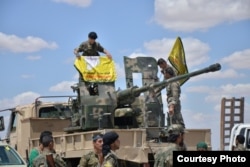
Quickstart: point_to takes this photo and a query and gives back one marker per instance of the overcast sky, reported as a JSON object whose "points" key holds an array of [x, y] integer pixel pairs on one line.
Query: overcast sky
{"points": [[37, 39]]}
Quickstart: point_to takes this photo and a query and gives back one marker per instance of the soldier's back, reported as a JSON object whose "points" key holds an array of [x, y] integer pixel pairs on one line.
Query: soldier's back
{"points": [[240, 147], [59, 162], [111, 160], [164, 157], [41, 160]]}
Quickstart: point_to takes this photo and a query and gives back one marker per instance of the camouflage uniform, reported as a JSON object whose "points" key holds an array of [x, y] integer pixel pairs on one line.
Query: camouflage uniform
{"points": [[87, 49], [173, 95], [183, 147], [164, 157], [111, 160], [240, 147], [41, 160], [90, 50], [89, 160]]}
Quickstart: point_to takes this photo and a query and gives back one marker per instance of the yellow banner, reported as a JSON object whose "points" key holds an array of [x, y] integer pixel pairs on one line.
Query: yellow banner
{"points": [[178, 60], [96, 68]]}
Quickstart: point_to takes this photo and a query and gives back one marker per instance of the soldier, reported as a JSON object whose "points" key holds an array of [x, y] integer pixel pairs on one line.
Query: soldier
{"points": [[201, 146], [93, 158], [111, 143], [175, 139], [240, 139], [163, 64], [47, 156], [36, 151], [88, 48], [173, 98], [91, 47]]}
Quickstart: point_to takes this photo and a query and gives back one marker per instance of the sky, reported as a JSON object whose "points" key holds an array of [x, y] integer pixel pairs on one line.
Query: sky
{"points": [[37, 39]]}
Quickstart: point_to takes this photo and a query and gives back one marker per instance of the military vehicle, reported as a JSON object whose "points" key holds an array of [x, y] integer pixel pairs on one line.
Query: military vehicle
{"points": [[97, 108]]}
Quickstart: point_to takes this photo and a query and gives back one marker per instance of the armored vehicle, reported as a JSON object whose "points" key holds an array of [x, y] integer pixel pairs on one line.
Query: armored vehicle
{"points": [[135, 113]]}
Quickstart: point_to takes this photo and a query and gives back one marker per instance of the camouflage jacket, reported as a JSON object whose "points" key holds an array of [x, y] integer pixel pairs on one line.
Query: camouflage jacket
{"points": [[89, 160], [240, 147], [111, 160], [41, 161], [183, 147], [164, 157], [90, 49], [173, 93]]}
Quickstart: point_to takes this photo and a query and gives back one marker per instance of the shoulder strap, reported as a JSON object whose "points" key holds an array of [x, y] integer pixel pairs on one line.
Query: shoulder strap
{"points": [[50, 159]]}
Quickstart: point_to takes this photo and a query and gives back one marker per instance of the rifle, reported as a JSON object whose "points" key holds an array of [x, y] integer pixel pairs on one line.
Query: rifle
{"points": [[50, 160], [27, 156]]}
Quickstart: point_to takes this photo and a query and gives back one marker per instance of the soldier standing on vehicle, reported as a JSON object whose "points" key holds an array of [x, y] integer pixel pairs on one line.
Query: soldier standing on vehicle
{"points": [[173, 98], [111, 143], [36, 151], [93, 158], [91, 47], [163, 65], [48, 157], [164, 157], [240, 139]]}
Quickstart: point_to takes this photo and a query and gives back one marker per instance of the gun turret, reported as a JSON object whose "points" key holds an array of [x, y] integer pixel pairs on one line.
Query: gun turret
{"points": [[99, 105]]}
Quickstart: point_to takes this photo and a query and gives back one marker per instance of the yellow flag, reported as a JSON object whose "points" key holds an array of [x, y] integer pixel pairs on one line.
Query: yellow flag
{"points": [[96, 68], [178, 60]]}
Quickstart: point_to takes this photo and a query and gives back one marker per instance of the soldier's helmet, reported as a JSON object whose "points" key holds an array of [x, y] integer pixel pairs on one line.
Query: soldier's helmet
{"points": [[171, 131], [176, 129], [92, 35], [201, 146], [164, 135]]}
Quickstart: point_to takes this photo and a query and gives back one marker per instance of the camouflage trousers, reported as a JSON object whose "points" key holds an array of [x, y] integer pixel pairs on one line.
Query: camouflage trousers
{"points": [[177, 117], [75, 119]]}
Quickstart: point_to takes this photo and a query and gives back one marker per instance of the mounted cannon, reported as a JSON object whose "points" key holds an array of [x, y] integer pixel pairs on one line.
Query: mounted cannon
{"points": [[99, 105]]}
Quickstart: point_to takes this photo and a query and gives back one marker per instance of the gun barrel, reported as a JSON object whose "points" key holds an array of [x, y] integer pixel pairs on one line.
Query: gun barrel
{"points": [[128, 95], [211, 68]]}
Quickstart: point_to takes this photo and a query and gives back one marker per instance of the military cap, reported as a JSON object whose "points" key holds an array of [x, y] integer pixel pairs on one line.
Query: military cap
{"points": [[97, 136], [110, 137], [201, 145], [176, 129], [92, 35]]}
